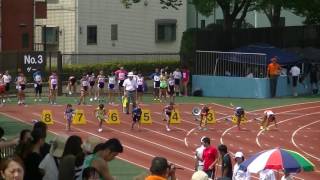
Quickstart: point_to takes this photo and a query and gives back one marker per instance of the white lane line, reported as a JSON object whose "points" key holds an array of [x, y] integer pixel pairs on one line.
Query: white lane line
{"points": [[294, 143]]}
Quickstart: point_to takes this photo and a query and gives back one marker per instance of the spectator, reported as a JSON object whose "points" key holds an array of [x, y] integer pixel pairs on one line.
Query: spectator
{"points": [[226, 165], [210, 158], [33, 156], [239, 174], [156, 84], [45, 148], [105, 153], [67, 163], [161, 170], [286, 176], [273, 74], [295, 73], [177, 75], [25, 138], [7, 80], [90, 173], [130, 89], [314, 79], [121, 74], [185, 80], [200, 175], [198, 156], [267, 174], [50, 164], [2, 90], [12, 168], [37, 78]]}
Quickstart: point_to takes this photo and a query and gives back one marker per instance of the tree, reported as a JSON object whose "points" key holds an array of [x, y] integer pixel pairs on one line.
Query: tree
{"points": [[175, 4], [308, 9], [231, 9]]}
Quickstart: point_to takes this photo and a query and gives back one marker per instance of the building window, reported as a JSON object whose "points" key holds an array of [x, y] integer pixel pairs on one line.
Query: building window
{"points": [[50, 35], [25, 40], [165, 30], [92, 34], [114, 32]]}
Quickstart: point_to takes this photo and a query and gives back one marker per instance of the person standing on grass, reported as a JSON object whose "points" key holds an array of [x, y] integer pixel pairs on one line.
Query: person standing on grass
{"points": [[37, 78], [68, 115], [177, 80], [226, 164], [101, 82], [171, 89], [21, 86], [92, 81], [111, 87], [156, 84], [130, 89], [163, 87], [295, 73], [101, 115], [106, 153], [121, 74], [53, 87], [273, 71], [140, 88], [185, 80], [210, 158], [7, 81], [84, 89], [72, 85]]}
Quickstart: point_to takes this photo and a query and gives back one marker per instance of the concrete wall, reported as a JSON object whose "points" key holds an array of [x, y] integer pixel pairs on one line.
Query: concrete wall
{"points": [[242, 87]]}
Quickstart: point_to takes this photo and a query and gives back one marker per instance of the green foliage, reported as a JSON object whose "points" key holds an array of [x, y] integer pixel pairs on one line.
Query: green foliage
{"points": [[175, 4], [187, 47], [205, 7], [309, 9], [145, 67]]}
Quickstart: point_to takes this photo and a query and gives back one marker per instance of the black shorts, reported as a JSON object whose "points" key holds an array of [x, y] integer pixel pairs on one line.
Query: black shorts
{"points": [[171, 90], [157, 84], [111, 86], [136, 118], [140, 88], [85, 88], [91, 83], [23, 86], [295, 81], [101, 85], [121, 83], [7, 87], [73, 81], [38, 88], [54, 86], [177, 81]]}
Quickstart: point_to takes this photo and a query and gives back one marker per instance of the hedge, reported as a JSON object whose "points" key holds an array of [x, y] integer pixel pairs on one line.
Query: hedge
{"points": [[145, 67]]}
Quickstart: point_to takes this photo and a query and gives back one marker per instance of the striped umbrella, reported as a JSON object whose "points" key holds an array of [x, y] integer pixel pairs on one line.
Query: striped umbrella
{"points": [[277, 159]]}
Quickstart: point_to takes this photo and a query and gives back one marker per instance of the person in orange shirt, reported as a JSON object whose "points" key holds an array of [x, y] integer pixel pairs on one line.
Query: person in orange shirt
{"points": [[273, 73], [161, 170]]}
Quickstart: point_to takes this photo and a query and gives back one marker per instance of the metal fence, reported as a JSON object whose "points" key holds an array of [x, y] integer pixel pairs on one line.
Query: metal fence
{"points": [[7, 151], [101, 58], [237, 64]]}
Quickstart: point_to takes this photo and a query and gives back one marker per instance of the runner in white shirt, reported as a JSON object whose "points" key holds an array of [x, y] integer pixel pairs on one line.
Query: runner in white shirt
{"points": [[21, 86], [130, 90], [7, 80], [101, 78], [140, 87], [177, 75], [111, 87], [84, 89], [268, 117], [53, 87]]}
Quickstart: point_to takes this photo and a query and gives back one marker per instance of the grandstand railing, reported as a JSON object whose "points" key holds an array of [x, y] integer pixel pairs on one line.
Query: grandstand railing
{"points": [[8, 151], [237, 64]]}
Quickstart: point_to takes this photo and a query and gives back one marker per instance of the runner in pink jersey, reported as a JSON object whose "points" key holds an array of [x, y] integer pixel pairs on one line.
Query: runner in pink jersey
{"points": [[185, 80], [121, 76]]}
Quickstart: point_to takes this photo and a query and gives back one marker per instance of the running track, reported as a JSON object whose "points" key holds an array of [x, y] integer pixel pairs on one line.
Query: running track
{"points": [[298, 129]]}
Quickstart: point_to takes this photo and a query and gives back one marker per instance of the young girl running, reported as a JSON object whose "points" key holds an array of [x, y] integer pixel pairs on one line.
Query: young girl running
{"points": [[21, 86], [101, 82], [84, 89], [140, 88], [92, 81], [111, 87], [167, 114], [53, 86], [68, 114], [101, 115]]}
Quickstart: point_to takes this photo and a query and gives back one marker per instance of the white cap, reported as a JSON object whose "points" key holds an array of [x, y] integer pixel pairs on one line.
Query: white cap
{"points": [[199, 175], [130, 74], [202, 138], [238, 155]]}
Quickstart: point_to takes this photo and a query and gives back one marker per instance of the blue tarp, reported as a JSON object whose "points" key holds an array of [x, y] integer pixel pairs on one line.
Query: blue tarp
{"points": [[284, 58]]}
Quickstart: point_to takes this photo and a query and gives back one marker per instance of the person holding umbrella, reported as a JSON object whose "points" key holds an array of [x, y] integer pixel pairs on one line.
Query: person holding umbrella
{"points": [[239, 174]]}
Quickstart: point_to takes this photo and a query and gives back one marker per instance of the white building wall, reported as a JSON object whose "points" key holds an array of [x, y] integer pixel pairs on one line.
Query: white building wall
{"points": [[61, 13], [136, 26]]}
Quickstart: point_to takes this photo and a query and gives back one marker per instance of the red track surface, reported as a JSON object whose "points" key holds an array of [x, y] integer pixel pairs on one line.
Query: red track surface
{"points": [[298, 130]]}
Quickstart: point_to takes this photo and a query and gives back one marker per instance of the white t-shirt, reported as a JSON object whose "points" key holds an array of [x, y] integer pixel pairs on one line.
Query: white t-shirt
{"points": [[49, 166], [199, 152], [37, 78], [101, 79], [267, 174], [239, 174], [130, 85], [84, 82], [295, 71], [156, 77], [7, 78], [286, 178], [139, 80], [268, 113], [177, 75], [112, 79]]}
